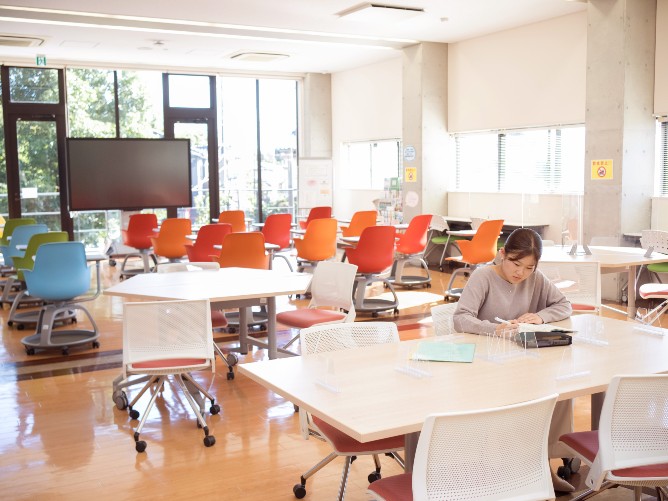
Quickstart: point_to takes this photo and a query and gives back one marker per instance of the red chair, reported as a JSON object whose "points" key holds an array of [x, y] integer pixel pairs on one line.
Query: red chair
{"points": [[138, 235], [276, 230], [209, 235], [373, 255], [410, 249], [316, 213]]}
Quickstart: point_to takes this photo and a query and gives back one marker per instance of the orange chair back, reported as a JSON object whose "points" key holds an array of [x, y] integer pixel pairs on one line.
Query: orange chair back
{"points": [[276, 230], [360, 220], [375, 251], [482, 247], [414, 239], [203, 249], [323, 212], [140, 230], [171, 241], [237, 218], [244, 250], [319, 241]]}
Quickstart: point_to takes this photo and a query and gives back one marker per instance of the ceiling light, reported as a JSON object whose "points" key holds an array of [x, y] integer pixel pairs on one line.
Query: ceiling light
{"points": [[18, 41], [258, 57], [374, 12]]}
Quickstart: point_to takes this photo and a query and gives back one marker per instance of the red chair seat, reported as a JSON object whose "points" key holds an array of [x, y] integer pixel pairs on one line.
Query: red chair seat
{"points": [[583, 307], [347, 445], [308, 317], [394, 488], [176, 362], [654, 290], [218, 319]]}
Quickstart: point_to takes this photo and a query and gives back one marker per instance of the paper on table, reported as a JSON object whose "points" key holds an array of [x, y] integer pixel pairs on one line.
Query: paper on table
{"points": [[438, 351]]}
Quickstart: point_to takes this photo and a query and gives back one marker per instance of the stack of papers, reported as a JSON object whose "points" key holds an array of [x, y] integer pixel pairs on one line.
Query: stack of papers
{"points": [[438, 351]]}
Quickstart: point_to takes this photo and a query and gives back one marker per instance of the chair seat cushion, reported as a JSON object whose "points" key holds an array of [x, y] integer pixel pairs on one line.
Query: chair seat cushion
{"points": [[654, 291], [346, 445], [308, 317], [658, 267], [583, 307], [218, 319], [394, 488], [586, 443], [169, 363]]}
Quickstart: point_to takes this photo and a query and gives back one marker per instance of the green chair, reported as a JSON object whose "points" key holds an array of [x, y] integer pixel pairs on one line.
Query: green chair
{"points": [[439, 236]]}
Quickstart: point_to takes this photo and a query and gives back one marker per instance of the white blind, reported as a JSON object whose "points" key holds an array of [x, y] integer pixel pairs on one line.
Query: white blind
{"points": [[662, 151]]}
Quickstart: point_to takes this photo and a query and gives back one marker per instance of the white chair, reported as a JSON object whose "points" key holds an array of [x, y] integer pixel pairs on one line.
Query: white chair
{"points": [[579, 282], [630, 447], [654, 241], [331, 298], [169, 338], [441, 315], [464, 456], [324, 338]]}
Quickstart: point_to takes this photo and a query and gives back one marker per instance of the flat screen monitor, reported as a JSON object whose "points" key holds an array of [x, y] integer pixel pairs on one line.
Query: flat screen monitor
{"points": [[128, 174]]}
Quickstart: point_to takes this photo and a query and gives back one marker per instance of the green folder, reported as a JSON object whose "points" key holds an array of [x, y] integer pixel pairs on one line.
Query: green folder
{"points": [[439, 351]]}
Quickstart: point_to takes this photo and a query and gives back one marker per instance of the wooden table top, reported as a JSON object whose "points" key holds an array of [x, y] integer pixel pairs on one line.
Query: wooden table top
{"points": [[609, 257]]}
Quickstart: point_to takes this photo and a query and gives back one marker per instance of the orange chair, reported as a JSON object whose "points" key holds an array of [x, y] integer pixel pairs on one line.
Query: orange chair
{"points": [[138, 235], [316, 213], [276, 230], [237, 218], [360, 220], [317, 244], [410, 249], [172, 239], [479, 250], [202, 249], [373, 255]]}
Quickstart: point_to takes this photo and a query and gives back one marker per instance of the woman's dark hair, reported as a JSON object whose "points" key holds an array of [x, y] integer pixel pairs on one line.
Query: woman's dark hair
{"points": [[523, 242]]}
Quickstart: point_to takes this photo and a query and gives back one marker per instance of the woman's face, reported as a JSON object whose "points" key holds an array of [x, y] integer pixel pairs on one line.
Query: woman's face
{"points": [[516, 270]]}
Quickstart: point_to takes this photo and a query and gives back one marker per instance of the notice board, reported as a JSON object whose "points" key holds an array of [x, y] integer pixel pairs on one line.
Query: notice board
{"points": [[315, 182]]}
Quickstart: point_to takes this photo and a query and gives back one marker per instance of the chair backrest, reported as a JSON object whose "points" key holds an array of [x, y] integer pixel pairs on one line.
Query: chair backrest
{"points": [[656, 239], [60, 272], [414, 239], [21, 236], [374, 252], [342, 336], [579, 282], [323, 212], [11, 224], [439, 223], [237, 218], [463, 455], [140, 230], [276, 229], [167, 330], [244, 250], [332, 286], [319, 240], [359, 221], [190, 266], [172, 239], [482, 247], [208, 236], [632, 427], [27, 261], [477, 221], [441, 315]]}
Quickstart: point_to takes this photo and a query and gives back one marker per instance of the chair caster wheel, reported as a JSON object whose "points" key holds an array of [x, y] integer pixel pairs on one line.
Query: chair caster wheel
{"points": [[215, 409], [209, 440], [66, 351], [373, 476], [96, 344], [230, 375], [134, 414], [140, 446], [299, 491], [20, 327], [573, 464], [10, 323], [564, 472], [232, 359], [121, 400], [30, 351], [374, 314], [396, 311]]}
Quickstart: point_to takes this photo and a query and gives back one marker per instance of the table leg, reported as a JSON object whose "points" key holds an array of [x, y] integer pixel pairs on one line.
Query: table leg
{"points": [[243, 330], [410, 444], [271, 328], [631, 293], [596, 405]]}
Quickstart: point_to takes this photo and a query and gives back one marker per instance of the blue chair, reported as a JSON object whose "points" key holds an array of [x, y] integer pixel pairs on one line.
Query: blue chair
{"points": [[60, 275], [7, 232], [20, 237]]}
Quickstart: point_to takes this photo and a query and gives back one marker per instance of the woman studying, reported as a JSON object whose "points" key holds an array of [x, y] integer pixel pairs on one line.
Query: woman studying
{"points": [[500, 296]]}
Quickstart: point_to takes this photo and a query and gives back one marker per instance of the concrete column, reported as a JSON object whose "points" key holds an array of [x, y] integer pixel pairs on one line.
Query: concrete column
{"points": [[316, 133], [425, 97]]}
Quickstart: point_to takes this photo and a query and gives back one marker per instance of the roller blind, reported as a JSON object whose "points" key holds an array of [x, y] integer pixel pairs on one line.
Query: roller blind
{"points": [[662, 150]]}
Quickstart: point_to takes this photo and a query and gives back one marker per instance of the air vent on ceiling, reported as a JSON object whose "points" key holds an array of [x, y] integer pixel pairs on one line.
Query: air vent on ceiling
{"points": [[379, 12], [257, 57], [16, 41]]}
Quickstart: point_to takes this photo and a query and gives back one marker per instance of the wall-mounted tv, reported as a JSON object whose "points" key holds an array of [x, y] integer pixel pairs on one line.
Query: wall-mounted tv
{"points": [[128, 174]]}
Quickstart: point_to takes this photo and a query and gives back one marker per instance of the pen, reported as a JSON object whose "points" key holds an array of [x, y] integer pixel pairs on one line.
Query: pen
{"points": [[501, 320]]}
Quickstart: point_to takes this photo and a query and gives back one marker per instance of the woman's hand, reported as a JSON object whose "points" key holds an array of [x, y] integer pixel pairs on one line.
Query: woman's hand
{"points": [[506, 327], [530, 318]]}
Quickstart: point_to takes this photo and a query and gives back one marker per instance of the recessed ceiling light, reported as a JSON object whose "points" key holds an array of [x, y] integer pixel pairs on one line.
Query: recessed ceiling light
{"points": [[258, 57], [375, 12]]}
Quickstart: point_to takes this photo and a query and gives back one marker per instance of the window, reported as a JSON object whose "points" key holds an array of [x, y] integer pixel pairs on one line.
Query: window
{"points": [[369, 163], [662, 156], [529, 160]]}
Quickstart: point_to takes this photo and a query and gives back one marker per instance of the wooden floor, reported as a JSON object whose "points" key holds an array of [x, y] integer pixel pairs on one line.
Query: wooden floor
{"points": [[62, 438]]}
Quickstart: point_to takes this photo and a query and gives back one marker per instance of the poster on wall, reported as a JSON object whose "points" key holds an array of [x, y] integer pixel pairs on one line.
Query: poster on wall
{"points": [[601, 169], [315, 182]]}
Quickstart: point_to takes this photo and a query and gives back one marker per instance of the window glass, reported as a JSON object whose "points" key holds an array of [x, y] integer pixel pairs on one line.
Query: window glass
{"points": [[91, 105], [140, 104], [4, 207], [369, 163], [33, 85], [477, 157], [189, 91]]}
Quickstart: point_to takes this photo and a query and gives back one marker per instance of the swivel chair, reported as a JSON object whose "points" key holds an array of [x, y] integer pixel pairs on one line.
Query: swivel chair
{"points": [[438, 230], [20, 233], [410, 248], [373, 256], [317, 244], [237, 218], [20, 237], [138, 235], [209, 235], [359, 221], [172, 238], [276, 230], [316, 213]]}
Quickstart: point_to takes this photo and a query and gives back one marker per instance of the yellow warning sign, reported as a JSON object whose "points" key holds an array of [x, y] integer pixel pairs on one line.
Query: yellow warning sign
{"points": [[410, 174], [601, 169]]}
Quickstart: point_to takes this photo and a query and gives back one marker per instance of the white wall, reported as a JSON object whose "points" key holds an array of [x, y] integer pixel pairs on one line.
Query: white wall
{"points": [[661, 63], [366, 105]]}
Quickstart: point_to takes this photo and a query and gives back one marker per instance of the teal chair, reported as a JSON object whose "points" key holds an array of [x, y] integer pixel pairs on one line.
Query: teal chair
{"points": [[20, 238], [59, 277]]}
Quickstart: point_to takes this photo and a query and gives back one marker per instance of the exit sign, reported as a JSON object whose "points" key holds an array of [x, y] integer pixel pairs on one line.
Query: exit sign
{"points": [[41, 60]]}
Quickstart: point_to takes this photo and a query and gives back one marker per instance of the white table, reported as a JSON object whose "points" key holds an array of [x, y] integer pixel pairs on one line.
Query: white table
{"points": [[375, 400], [229, 287]]}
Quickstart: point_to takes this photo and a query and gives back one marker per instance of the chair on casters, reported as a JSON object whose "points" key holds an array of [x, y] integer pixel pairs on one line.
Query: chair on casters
{"points": [[7, 233], [373, 256], [169, 338], [331, 299], [202, 249], [481, 249], [441, 316], [464, 456], [410, 248], [172, 239], [20, 237], [59, 277], [438, 231], [237, 218], [317, 244], [630, 447], [324, 338], [360, 220], [323, 212], [138, 235], [276, 230], [579, 282]]}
